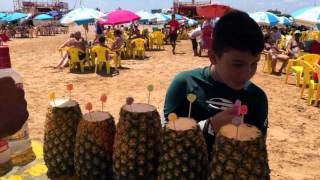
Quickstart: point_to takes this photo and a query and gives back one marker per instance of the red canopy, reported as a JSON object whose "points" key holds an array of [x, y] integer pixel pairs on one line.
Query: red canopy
{"points": [[213, 10]]}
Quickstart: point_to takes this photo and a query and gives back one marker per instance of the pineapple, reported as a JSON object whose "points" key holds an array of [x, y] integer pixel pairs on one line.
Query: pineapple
{"points": [[59, 139], [137, 139], [239, 154], [183, 151], [94, 146]]}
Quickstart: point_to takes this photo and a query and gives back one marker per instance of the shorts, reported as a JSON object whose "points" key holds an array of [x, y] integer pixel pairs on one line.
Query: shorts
{"points": [[194, 44], [173, 38]]}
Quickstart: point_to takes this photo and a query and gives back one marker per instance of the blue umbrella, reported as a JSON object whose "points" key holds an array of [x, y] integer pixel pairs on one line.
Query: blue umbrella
{"points": [[14, 17], [43, 17], [53, 13], [161, 17], [146, 16], [284, 21], [82, 16], [265, 18], [2, 15]]}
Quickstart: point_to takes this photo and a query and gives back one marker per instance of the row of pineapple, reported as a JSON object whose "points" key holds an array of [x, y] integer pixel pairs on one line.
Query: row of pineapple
{"points": [[91, 147]]}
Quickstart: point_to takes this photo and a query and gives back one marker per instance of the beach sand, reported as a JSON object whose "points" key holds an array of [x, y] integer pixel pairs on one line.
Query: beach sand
{"points": [[293, 138]]}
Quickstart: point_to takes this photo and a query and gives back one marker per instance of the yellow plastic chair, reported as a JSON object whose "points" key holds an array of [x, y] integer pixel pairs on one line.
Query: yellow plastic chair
{"points": [[316, 86], [308, 70], [267, 63], [138, 49], [294, 65], [158, 39], [102, 54], [74, 58]]}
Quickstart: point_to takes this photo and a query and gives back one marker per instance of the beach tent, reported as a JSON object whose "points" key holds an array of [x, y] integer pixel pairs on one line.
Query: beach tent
{"points": [[14, 17], [265, 18], [120, 16], [43, 17], [307, 16], [146, 16]]}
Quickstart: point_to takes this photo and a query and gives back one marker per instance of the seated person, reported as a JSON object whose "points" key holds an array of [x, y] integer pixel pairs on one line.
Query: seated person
{"points": [[294, 45], [118, 42], [75, 41], [276, 54]]}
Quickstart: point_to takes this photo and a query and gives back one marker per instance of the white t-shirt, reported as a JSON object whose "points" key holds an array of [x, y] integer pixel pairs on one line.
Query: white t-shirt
{"points": [[196, 33]]}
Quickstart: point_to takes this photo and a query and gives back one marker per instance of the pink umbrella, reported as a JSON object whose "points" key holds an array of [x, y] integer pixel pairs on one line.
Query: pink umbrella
{"points": [[120, 17]]}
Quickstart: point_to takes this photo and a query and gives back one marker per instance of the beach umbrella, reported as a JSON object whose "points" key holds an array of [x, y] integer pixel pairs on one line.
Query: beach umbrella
{"points": [[160, 18], [14, 17], [82, 16], [265, 18], [191, 22], [307, 16], [212, 10], [53, 13], [2, 15], [43, 17], [146, 16], [120, 16], [284, 21]]}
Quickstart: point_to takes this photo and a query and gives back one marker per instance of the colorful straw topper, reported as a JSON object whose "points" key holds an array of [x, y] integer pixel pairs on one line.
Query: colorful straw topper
{"points": [[191, 98], [52, 97], [129, 100], [69, 88], [150, 89], [89, 108], [172, 117], [103, 100]]}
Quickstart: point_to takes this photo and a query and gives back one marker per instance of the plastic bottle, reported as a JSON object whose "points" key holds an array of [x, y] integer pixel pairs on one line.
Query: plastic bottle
{"points": [[5, 161], [19, 143]]}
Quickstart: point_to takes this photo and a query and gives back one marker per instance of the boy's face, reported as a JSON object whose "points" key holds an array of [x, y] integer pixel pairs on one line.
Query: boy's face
{"points": [[234, 68]]}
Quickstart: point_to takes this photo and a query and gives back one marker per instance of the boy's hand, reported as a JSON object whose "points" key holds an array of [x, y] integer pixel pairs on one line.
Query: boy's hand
{"points": [[223, 118], [13, 107]]}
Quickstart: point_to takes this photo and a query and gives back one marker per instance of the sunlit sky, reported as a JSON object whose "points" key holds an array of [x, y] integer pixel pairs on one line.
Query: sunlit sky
{"points": [[287, 6]]}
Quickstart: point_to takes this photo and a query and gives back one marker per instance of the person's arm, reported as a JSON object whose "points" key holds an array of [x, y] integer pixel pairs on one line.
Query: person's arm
{"points": [[175, 97], [65, 44], [13, 107]]}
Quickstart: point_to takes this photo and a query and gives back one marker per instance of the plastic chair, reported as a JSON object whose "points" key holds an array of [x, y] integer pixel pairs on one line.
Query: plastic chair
{"points": [[158, 39], [138, 49], [74, 58], [267, 63], [294, 65], [308, 70], [316, 86], [102, 54]]}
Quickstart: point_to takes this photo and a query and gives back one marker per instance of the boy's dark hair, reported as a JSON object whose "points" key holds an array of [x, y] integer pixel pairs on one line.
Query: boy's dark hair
{"points": [[237, 30], [102, 39]]}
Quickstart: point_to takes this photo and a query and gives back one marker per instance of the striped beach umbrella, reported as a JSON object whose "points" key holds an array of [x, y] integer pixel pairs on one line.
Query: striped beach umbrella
{"points": [[82, 16], [284, 21], [265, 18]]}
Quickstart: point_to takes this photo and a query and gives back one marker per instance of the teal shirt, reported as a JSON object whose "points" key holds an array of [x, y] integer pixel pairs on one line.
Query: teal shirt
{"points": [[200, 82]]}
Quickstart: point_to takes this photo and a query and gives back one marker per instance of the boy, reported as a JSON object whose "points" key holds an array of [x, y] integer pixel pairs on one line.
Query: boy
{"points": [[236, 47], [173, 32]]}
